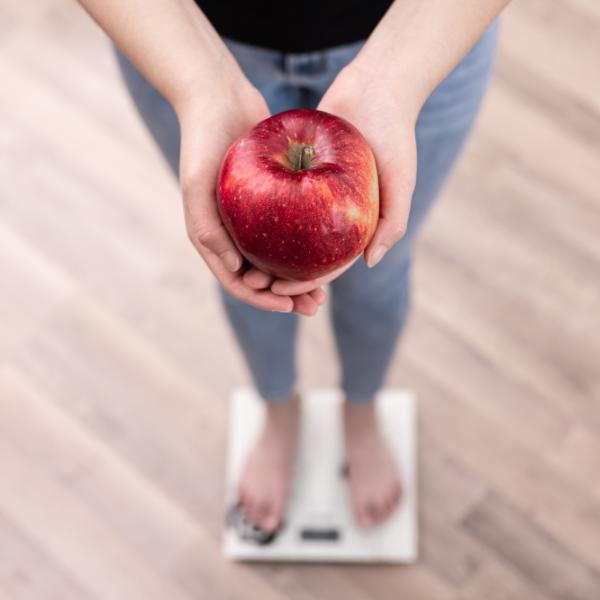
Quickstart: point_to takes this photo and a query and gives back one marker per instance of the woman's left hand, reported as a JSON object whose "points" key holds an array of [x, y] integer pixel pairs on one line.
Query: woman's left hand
{"points": [[362, 96]]}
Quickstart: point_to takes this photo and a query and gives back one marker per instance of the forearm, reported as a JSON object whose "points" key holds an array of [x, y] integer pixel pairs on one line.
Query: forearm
{"points": [[418, 42], [169, 41]]}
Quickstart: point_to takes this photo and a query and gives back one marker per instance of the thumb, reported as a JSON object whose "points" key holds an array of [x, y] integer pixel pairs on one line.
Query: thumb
{"points": [[214, 238], [205, 229], [396, 185]]}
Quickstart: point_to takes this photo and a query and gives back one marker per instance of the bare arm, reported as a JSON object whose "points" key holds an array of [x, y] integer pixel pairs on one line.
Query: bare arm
{"points": [[170, 42], [176, 48], [410, 52], [418, 42], [413, 48]]}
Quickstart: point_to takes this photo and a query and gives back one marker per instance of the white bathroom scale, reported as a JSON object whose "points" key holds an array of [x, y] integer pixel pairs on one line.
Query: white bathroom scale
{"points": [[318, 524]]}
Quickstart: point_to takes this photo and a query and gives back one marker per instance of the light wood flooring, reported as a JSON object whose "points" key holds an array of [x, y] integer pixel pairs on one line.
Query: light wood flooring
{"points": [[116, 360]]}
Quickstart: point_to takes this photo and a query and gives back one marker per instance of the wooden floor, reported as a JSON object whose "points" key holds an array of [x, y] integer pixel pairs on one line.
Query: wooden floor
{"points": [[116, 361]]}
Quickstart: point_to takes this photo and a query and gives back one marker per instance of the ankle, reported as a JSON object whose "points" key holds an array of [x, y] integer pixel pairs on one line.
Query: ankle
{"points": [[283, 408], [360, 421], [359, 412]]}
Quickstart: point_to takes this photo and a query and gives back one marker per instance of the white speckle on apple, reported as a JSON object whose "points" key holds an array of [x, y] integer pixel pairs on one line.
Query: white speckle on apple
{"points": [[353, 213]]}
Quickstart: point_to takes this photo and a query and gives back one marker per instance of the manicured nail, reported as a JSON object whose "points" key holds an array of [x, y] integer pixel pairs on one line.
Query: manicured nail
{"points": [[376, 255], [231, 260]]}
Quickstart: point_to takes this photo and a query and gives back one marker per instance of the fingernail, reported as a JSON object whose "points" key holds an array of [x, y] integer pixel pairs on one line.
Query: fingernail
{"points": [[376, 255], [231, 260], [289, 310]]}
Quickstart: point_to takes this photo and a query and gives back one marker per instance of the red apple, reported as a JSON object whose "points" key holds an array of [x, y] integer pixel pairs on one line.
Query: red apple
{"points": [[299, 195]]}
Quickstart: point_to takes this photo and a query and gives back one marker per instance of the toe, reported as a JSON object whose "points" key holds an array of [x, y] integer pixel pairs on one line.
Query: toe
{"points": [[263, 511], [364, 520], [389, 506], [393, 500], [370, 513], [357, 507], [273, 518], [271, 523], [250, 508], [397, 492], [379, 511]]}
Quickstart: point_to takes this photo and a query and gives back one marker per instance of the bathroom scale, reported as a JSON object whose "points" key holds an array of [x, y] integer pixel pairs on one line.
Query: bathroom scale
{"points": [[318, 524]]}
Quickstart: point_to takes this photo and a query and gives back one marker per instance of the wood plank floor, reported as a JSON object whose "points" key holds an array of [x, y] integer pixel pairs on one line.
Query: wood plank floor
{"points": [[116, 360]]}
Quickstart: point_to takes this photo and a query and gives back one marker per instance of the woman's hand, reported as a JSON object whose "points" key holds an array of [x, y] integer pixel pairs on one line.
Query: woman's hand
{"points": [[389, 127], [382, 90], [410, 51], [209, 125], [388, 124], [178, 51]]}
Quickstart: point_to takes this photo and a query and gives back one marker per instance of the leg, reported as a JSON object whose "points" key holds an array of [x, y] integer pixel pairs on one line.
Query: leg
{"points": [[370, 306], [267, 340]]}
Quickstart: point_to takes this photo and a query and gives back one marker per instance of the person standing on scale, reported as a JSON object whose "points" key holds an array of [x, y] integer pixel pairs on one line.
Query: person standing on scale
{"points": [[410, 75]]}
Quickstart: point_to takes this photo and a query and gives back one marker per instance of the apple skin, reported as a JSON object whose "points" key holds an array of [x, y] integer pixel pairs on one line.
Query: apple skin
{"points": [[299, 194]]}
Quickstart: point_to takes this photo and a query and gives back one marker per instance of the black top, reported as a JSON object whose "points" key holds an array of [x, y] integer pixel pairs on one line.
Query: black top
{"points": [[295, 25]]}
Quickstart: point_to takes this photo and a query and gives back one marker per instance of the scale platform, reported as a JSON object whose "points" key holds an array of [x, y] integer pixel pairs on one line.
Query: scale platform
{"points": [[319, 524]]}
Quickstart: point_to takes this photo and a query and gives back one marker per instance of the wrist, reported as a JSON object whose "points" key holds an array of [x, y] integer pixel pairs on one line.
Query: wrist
{"points": [[373, 82], [206, 88]]}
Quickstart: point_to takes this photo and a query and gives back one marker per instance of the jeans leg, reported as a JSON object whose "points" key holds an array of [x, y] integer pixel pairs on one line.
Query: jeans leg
{"points": [[267, 340], [157, 114], [368, 309], [370, 306]]}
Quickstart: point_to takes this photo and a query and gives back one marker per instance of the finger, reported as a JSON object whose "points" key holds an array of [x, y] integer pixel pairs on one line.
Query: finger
{"points": [[259, 280], [305, 305], [264, 299], [397, 182], [204, 225], [285, 287], [293, 288], [319, 296], [234, 284]]}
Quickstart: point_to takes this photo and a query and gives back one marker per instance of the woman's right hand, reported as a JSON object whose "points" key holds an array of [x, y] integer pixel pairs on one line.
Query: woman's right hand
{"points": [[178, 51], [211, 121]]}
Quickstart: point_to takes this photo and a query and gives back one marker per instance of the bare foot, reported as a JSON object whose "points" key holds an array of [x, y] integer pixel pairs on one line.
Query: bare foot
{"points": [[266, 477], [374, 478]]}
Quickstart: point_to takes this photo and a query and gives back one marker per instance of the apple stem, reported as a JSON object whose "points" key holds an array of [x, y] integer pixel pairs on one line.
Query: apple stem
{"points": [[306, 157]]}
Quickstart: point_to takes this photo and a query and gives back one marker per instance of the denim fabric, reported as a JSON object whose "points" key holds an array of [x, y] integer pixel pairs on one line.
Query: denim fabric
{"points": [[368, 306]]}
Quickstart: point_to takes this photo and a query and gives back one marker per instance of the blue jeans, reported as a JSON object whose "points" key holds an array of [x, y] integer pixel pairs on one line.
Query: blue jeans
{"points": [[368, 306]]}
